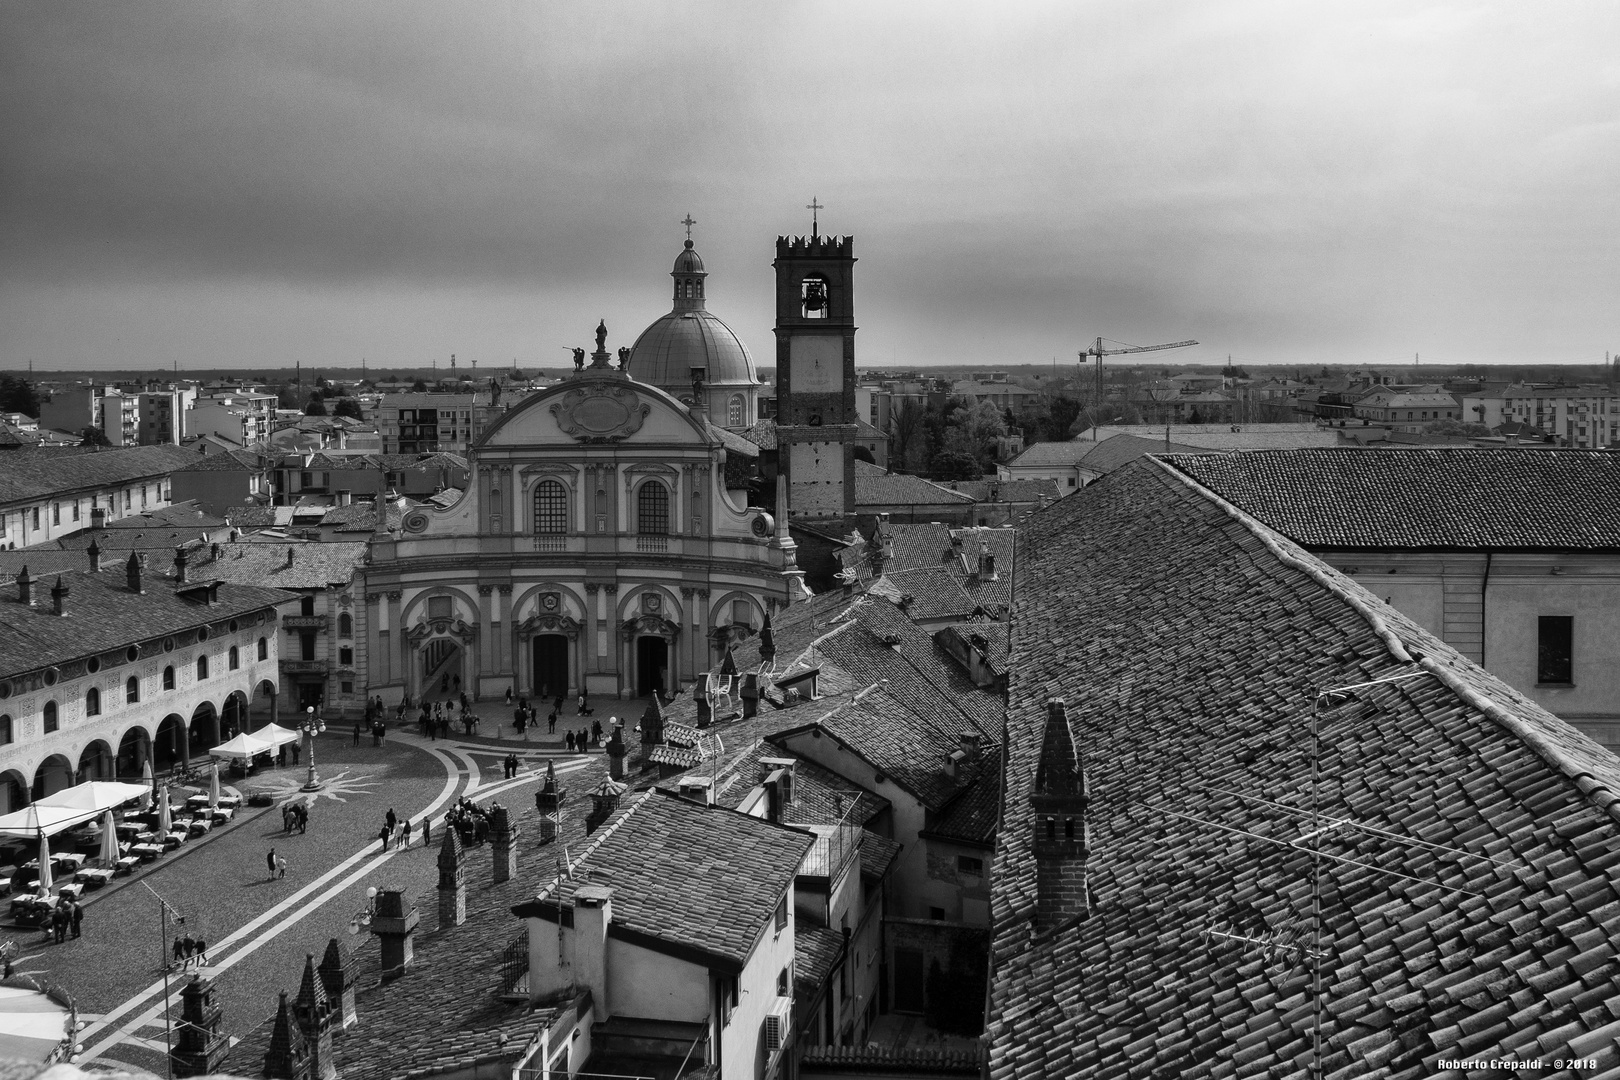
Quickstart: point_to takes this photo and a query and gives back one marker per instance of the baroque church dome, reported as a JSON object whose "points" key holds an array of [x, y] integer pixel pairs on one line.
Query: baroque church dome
{"points": [[690, 336]]}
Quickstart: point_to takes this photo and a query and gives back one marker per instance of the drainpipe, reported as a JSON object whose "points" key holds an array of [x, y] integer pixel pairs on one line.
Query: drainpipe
{"points": [[1484, 590]]}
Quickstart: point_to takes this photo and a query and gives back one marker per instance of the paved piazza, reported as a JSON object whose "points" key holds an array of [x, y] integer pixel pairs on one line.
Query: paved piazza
{"points": [[258, 930]]}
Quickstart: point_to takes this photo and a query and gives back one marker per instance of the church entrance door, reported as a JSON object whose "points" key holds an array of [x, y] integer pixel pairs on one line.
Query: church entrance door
{"points": [[652, 665], [551, 665], [441, 670]]}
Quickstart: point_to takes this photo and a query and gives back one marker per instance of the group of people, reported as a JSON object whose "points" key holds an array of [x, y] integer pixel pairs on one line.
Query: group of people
{"points": [[579, 742], [398, 830], [187, 949], [68, 913], [470, 820], [435, 719], [295, 816], [509, 766]]}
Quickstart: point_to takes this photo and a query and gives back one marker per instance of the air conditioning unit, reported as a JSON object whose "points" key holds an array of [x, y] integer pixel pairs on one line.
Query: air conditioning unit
{"points": [[776, 1026]]}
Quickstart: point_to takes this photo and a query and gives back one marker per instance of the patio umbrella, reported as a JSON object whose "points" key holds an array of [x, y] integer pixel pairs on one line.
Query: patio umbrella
{"points": [[44, 864], [148, 779], [213, 787], [109, 839], [164, 823]]}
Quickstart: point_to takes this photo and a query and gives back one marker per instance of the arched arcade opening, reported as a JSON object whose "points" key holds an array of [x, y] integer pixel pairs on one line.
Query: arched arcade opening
{"points": [[53, 774]]}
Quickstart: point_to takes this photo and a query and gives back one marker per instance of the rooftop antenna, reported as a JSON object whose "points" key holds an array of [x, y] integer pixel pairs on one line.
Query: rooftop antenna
{"points": [[1284, 940]]}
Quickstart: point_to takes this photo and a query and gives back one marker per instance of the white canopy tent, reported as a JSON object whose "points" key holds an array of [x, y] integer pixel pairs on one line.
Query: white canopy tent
{"points": [[96, 795], [33, 821]]}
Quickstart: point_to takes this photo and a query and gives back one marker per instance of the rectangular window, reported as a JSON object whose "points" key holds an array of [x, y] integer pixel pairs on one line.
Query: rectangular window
{"points": [[967, 864], [346, 657], [347, 688], [56, 513], [75, 509], [781, 913], [306, 646], [35, 509], [440, 607], [1555, 649]]}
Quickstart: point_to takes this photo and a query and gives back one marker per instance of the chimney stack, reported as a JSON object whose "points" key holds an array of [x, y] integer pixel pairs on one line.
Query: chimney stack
{"points": [[337, 979], [200, 1047], [615, 750], [289, 558], [970, 745], [750, 695], [180, 564], [288, 1056], [503, 838], [593, 914], [452, 880], [987, 564], [25, 587], [394, 924], [132, 570], [94, 551], [604, 800], [548, 801], [314, 1016], [59, 595], [1061, 839]]}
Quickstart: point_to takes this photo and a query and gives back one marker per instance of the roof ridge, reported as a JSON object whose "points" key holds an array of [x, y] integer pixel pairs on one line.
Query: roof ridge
{"points": [[590, 849], [1544, 748]]}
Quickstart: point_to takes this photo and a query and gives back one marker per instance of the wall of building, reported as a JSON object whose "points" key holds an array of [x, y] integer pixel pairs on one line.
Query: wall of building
{"points": [[742, 1046], [46, 520], [654, 986]]}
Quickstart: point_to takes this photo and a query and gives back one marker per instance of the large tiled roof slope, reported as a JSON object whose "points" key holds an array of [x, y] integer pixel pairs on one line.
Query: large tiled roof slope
{"points": [[1188, 642], [877, 488], [35, 474], [701, 877], [1429, 498]]}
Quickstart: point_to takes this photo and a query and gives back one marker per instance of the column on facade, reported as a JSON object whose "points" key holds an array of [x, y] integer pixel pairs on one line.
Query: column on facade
{"points": [[593, 622], [489, 646], [502, 642], [694, 662], [610, 621], [376, 666], [700, 641], [394, 650]]}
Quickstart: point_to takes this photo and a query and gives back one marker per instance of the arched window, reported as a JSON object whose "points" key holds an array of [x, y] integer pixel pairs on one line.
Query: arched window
{"points": [[132, 690], [5, 730], [550, 507], [264, 649], [345, 625], [202, 667], [652, 509], [734, 411], [168, 678], [235, 658], [50, 717], [92, 702]]}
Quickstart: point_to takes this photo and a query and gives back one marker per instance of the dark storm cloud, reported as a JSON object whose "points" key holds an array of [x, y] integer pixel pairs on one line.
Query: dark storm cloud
{"points": [[1282, 181]]}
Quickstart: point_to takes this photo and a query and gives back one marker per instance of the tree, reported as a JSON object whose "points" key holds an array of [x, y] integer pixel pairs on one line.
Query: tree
{"points": [[18, 395], [972, 431], [418, 387], [287, 396], [905, 424], [93, 436], [1456, 427], [348, 407], [517, 376], [316, 407], [956, 465]]}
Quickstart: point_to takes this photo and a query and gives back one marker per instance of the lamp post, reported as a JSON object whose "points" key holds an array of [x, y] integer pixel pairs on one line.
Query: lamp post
{"points": [[312, 726], [363, 918]]}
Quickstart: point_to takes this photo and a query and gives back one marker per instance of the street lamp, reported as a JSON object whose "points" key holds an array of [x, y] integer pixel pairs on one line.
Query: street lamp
{"points": [[312, 726], [363, 918]]}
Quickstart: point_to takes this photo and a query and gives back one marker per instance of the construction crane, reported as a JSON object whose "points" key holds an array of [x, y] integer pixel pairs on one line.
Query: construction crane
{"points": [[1099, 352]]}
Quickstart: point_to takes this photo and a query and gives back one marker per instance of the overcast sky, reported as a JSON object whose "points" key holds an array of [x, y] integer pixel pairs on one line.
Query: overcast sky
{"points": [[246, 184]]}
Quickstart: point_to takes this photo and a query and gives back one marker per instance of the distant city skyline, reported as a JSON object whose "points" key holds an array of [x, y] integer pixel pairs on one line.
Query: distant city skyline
{"points": [[245, 186]]}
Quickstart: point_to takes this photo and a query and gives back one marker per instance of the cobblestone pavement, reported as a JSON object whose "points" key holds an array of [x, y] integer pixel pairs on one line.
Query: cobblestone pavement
{"points": [[258, 929]]}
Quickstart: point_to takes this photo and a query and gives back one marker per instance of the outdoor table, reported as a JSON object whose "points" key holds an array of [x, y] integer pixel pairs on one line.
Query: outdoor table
{"points": [[147, 837], [95, 878], [223, 814], [127, 864], [6, 874], [147, 852], [71, 891], [128, 830], [68, 860], [195, 801], [230, 802], [198, 826], [173, 840]]}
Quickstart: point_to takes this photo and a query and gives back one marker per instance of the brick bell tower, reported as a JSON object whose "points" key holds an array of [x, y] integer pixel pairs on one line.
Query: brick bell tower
{"points": [[815, 371]]}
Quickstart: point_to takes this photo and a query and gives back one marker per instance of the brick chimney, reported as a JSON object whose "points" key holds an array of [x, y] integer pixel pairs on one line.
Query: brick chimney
{"points": [[970, 745], [705, 713], [94, 551], [604, 800], [288, 1056], [548, 801], [199, 1046], [180, 564], [337, 979], [59, 595], [314, 1016], [452, 880], [1061, 836], [615, 750], [503, 843], [25, 587], [394, 924], [987, 564], [289, 558], [132, 571], [652, 724], [593, 914], [750, 695]]}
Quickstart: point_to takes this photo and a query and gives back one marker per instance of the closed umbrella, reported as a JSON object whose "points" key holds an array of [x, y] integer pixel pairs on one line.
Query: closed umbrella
{"points": [[109, 839], [164, 824], [45, 882], [213, 787], [149, 780]]}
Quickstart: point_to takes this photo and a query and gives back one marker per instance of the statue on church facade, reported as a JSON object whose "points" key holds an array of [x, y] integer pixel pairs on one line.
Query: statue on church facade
{"points": [[601, 336], [579, 359], [624, 358]]}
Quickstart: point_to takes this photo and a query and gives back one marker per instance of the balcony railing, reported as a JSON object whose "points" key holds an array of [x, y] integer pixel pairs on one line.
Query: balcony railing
{"points": [[658, 544], [551, 542], [304, 622]]}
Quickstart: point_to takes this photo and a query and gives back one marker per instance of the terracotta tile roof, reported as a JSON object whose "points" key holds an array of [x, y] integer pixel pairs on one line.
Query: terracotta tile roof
{"points": [[1424, 498], [104, 615], [937, 566], [30, 475], [1188, 641], [735, 441], [1007, 491], [256, 517], [876, 489], [705, 879], [878, 854], [314, 566], [226, 461], [762, 434], [820, 796], [815, 950], [972, 815], [186, 514], [995, 640]]}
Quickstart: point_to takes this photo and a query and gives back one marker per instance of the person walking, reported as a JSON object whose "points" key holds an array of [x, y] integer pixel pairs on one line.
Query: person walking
{"points": [[391, 818], [187, 947], [178, 951], [269, 862], [303, 818], [357, 733], [405, 837], [281, 866], [382, 834], [551, 723], [596, 733], [509, 695], [427, 831], [584, 707], [201, 947], [76, 912]]}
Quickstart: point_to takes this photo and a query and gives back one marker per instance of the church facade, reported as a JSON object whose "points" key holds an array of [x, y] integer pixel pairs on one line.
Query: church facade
{"points": [[604, 544]]}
